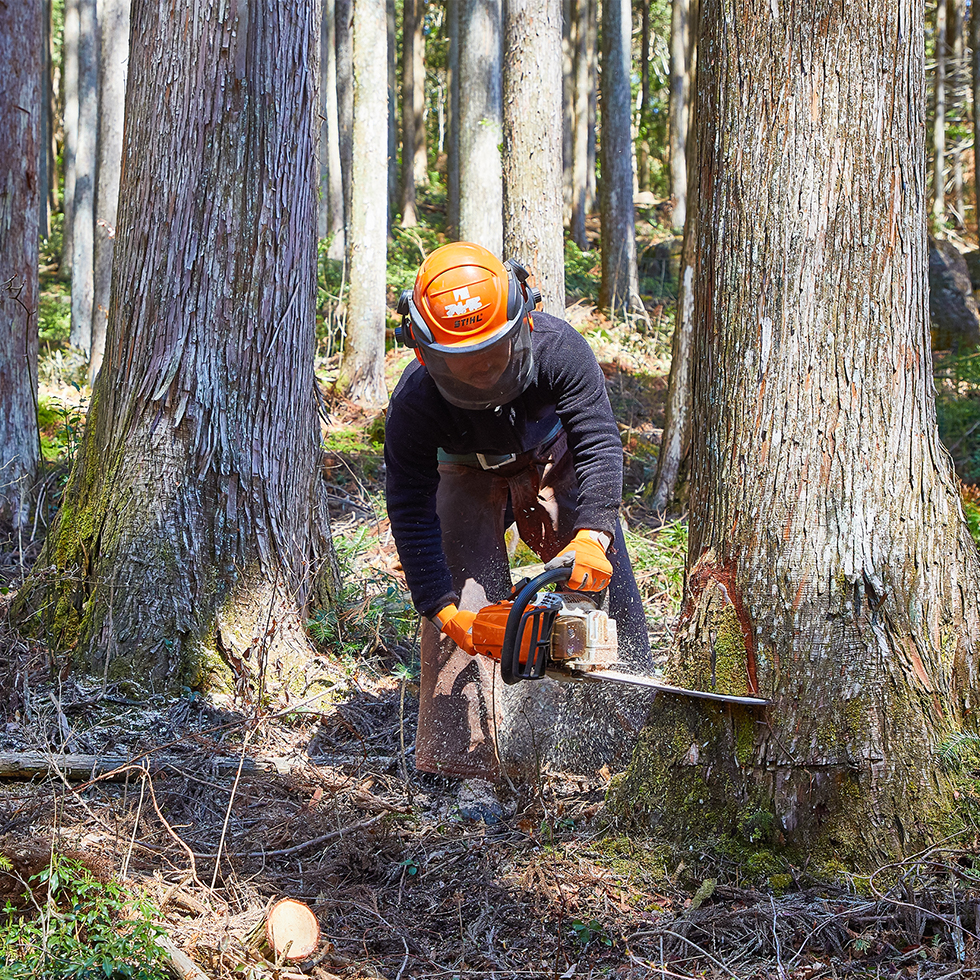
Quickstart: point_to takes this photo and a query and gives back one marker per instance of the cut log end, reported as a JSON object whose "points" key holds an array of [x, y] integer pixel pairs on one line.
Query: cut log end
{"points": [[291, 930]]}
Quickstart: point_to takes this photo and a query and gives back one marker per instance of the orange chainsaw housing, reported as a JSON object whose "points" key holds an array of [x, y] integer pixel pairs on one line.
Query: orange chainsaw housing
{"points": [[488, 631]]}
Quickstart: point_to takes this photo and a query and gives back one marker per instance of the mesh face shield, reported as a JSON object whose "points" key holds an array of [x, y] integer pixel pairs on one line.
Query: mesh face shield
{"points": [[485, 374]]}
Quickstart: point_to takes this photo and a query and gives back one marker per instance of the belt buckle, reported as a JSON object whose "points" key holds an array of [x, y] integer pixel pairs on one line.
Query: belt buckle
{"points": [[504, 461]]}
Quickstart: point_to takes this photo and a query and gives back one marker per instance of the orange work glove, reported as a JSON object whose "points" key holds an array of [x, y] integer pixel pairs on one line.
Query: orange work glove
{"points": [[586, 553], [457, 624]]}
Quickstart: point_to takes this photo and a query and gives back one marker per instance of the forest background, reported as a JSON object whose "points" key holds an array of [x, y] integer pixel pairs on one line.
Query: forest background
{"points": [[353, 624]]}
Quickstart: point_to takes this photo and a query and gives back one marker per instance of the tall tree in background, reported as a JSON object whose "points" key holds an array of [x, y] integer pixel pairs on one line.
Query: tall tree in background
{"points": [[452, 135], [683, 49], [828, 552], [392, 52], [187, 528], [69, 73], [956, 42], [975, 97], [20, 148], [619, 289], [675, 443], [413, 104], [345, 98], [532, 186], [47, 161], [939, 120], [83, 197], [362, 366], [113, 59], [582, 37], [331, 218], [642, 143], [480, 124]]}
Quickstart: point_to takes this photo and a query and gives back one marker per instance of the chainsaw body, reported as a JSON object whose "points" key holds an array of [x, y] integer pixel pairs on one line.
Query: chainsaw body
{"points": [[539, 633]]}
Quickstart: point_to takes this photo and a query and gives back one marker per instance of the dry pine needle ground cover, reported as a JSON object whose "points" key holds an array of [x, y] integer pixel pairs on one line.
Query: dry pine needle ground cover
{"points": [[213, 813]]}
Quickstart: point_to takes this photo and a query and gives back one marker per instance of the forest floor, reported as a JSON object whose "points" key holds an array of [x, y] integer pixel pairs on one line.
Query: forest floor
{"points": [[205, 812]]}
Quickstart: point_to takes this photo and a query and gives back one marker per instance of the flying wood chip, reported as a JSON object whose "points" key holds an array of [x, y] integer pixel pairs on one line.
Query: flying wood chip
{"points": [[291, 930]]}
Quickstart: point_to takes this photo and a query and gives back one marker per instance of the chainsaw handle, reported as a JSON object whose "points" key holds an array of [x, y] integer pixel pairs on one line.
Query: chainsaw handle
{"points": [[510, 649]]}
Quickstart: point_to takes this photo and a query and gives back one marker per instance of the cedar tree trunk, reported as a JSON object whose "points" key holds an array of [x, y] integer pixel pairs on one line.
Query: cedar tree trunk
{"points": [[829, 560], [187, 528]]}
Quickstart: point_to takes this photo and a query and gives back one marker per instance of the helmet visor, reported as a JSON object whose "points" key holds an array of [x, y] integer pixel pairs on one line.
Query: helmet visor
{"points": [[483, 375]]}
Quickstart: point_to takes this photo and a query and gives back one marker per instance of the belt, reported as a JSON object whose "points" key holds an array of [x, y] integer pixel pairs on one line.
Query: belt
{"points": [[488, 461]]}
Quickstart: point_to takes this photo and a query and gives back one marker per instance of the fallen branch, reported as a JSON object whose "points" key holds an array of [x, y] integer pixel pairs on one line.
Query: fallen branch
{"points": [[115, 768], [182, 964]]}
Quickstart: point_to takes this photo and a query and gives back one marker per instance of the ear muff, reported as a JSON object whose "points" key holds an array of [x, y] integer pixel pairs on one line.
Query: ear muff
{"points": [[405, 333], [520, 292]]}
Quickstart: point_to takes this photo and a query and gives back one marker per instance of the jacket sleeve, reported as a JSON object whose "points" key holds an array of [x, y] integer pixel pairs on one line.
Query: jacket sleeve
{"points": [[411, 482], [593, 435]]}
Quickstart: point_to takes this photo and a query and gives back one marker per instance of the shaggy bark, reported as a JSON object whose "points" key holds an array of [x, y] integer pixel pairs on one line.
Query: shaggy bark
{"points": [[20, 109], [188, 527], [829, 560], [532, 190]]}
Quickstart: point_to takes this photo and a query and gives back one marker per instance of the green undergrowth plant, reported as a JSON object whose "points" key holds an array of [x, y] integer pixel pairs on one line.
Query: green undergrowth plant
{"points": [[958, 411], [72, 925], [658, 562], [61, 426], [371, 609]]}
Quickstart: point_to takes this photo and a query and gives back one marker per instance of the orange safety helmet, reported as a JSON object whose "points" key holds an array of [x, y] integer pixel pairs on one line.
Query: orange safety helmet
{"points": [[468, 321]]}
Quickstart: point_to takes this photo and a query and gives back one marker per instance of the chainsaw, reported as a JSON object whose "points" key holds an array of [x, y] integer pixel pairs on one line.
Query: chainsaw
{"points": [[539, 634]]}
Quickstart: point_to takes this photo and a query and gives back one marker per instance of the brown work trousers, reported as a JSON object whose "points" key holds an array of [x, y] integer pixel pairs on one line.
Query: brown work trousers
{"points": [[470, 722]]}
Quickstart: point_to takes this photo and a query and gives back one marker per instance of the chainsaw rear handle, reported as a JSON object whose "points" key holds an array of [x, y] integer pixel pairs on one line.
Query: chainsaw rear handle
{"points": [[511, 669]]}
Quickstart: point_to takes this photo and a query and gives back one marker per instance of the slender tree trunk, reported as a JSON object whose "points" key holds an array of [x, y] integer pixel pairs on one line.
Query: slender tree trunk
{"points": [[345, 99], [619, 290], [392, 48], [584, 131], [69, 60], [331, 184], [187, 528], [682, 49], [567, 109], [46, 173], [939, 123], [452, 152], [642, 116], [421, 154], [675, 443], [480, 124], [83, 210], [362, 369], [829, 561], [532, 198], [975, 103], [20, 149], [411, 109], [956, 29], [114, 57]]}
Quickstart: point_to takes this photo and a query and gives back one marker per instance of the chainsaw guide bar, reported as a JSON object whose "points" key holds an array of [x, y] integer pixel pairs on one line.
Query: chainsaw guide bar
{"points": [[638, 680]]}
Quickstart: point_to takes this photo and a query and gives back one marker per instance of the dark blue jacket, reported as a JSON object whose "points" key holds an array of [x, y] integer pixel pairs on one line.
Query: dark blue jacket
{"points": [[566, 384]]}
